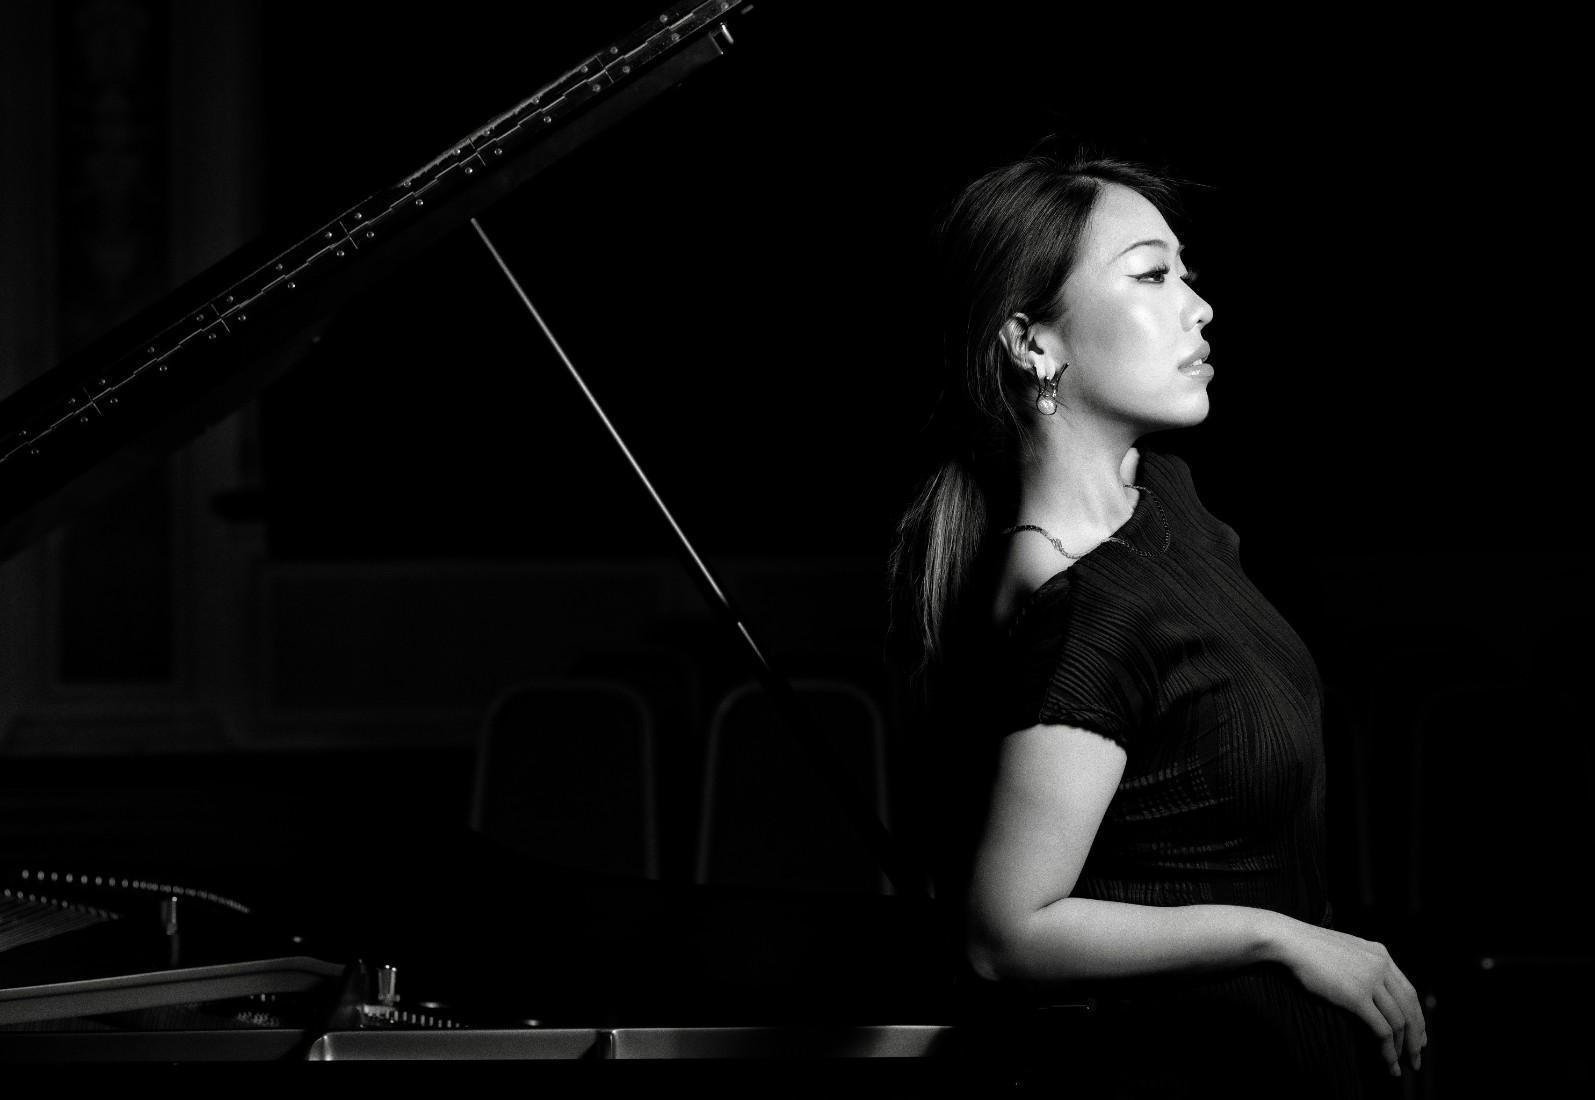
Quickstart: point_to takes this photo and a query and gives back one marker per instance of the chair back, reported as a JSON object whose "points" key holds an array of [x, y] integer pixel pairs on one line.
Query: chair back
{"points": [[768, 818], [565, 773]]}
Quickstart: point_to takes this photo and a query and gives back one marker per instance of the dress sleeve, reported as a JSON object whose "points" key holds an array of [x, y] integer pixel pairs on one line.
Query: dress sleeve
{"points": [[1100, 674]]}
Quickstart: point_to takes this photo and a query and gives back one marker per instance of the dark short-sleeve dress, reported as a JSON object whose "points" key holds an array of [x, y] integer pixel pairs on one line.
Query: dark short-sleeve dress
{"points": [[1163, 645]]}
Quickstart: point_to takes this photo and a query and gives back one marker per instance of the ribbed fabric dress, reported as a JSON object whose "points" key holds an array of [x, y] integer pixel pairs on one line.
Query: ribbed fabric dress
{"points": [[1176, 656]]}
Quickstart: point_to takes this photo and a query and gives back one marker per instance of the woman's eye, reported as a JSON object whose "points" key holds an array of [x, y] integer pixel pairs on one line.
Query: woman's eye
{"points": [[1157, 275]]}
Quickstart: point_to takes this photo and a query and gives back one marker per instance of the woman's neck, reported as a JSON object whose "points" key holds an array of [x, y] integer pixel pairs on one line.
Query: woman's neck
{"points": [[1076, 479]]}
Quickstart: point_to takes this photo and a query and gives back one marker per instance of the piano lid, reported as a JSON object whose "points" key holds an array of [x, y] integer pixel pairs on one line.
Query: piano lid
{"points": [[199, 352]]}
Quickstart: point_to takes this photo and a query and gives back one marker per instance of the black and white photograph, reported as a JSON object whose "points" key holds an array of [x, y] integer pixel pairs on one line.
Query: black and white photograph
{"points": [[756, 547]]}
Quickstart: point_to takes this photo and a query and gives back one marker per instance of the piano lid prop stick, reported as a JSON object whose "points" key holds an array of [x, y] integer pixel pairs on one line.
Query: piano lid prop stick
{"points": [[822, 754]]}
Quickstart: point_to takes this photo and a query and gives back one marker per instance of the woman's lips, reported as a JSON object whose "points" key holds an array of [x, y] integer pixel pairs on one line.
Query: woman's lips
{"points": [[1199, 369]]}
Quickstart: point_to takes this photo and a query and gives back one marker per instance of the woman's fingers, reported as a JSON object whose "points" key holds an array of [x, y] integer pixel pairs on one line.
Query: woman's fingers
{"points": [[1381, 1026], [1412, 1012], [1360, 975], [1390, 1007]]}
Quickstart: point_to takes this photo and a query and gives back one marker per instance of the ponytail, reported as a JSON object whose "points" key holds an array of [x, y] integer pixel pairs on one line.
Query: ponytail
{"points": [[932, 562]]}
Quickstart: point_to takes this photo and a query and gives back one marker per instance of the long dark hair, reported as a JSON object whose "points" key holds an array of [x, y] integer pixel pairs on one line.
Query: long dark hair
{"points": [[1004, 245]]}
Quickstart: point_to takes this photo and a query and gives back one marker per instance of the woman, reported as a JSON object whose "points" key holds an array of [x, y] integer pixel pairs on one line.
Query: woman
{"points": [[1138, 728]]}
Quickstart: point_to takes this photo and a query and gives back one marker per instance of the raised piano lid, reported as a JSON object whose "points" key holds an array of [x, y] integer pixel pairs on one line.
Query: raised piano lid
{"points": [[158, 379]]}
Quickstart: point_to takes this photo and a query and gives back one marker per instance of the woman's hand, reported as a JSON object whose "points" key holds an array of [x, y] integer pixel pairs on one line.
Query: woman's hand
{"points": [[1358, 975]]}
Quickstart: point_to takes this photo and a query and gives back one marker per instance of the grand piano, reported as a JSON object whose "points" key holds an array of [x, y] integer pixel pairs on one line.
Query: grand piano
{"points": [[363, 935]]}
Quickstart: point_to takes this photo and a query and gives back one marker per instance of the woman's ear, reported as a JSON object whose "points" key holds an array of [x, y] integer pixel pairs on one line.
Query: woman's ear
{"points": [[1016, 339], [1035, 349]]}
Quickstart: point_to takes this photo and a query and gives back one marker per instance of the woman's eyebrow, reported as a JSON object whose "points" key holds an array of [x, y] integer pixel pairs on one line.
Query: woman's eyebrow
{"points": [[1155, 241]]}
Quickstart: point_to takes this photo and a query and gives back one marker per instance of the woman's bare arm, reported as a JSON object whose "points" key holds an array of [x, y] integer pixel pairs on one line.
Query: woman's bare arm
{"points": [[1052, 789]]}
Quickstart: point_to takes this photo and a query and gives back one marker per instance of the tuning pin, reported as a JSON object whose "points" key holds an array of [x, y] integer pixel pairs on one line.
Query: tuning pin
{"points": [[387, 985], [174, 950]]}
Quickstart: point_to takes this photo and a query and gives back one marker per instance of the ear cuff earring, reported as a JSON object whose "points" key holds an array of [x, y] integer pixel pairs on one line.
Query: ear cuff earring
{"points": [[1047, 398]]}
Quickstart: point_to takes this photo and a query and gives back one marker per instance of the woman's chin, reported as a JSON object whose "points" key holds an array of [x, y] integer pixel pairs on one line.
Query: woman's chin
{"points": [[1189, 415]]}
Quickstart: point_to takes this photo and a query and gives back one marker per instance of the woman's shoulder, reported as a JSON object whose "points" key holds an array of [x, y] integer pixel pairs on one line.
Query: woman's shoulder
{"points": [[1032, 567], [1033, 602], [1033, 576]]}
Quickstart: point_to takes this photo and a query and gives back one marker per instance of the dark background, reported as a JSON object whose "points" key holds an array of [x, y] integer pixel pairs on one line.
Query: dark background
{"points": [[1376, 218], [736, 273]]}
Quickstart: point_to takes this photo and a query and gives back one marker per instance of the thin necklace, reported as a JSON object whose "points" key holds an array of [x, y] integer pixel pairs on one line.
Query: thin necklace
{"points": [[1058, 545]]}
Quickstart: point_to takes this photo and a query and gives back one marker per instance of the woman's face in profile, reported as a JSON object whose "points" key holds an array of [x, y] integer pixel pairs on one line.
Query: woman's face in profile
{"points": [[1131, 329]]}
